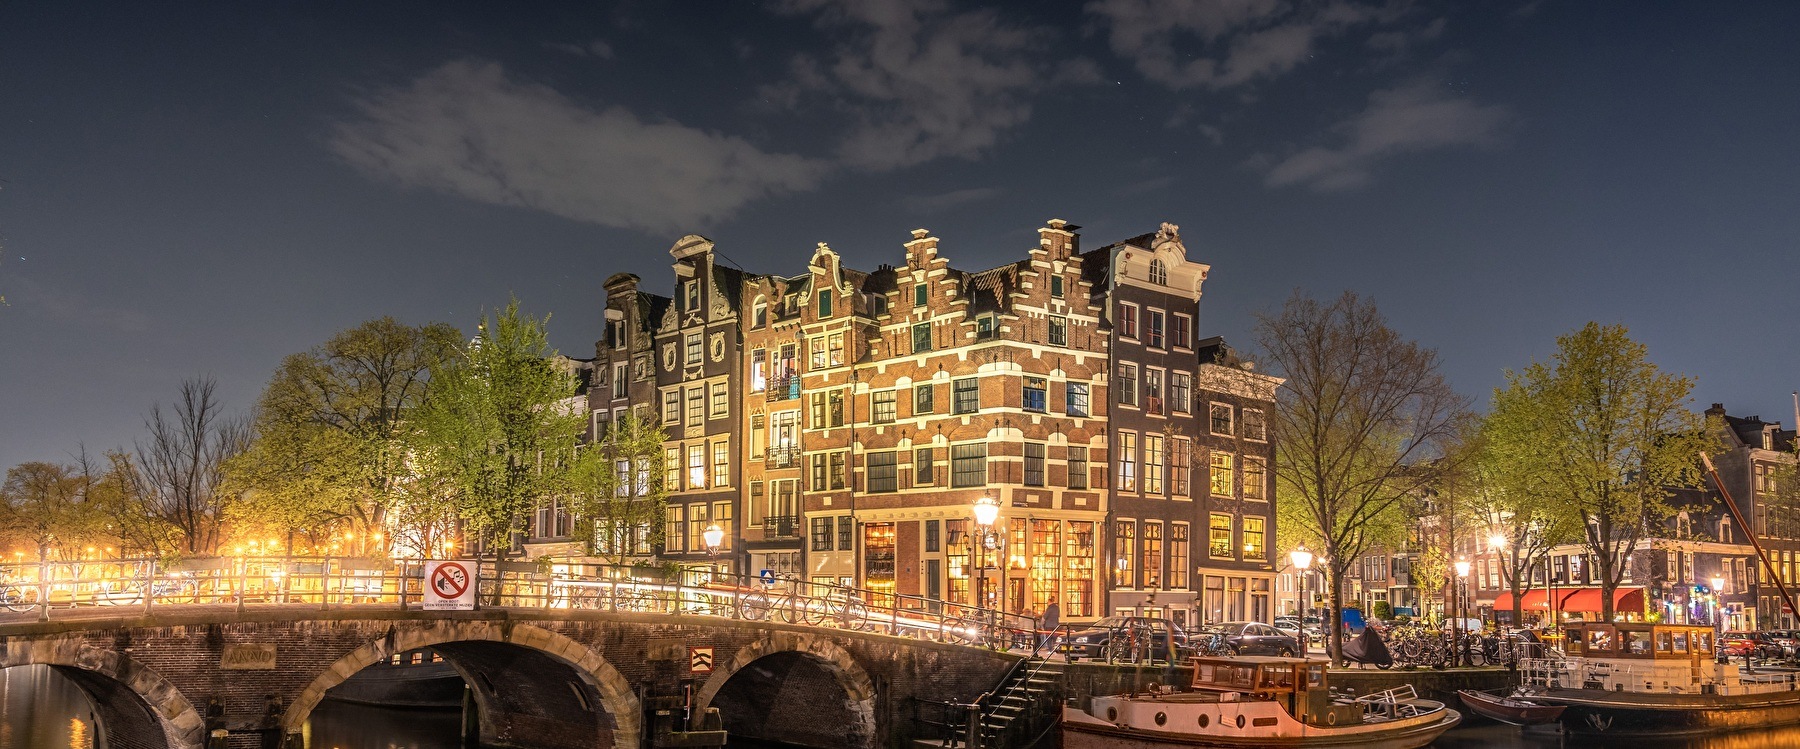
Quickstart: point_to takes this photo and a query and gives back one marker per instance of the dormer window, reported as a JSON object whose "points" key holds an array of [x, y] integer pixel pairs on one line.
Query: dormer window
{"points": [[984, 326], [691, 294], [1159, 273]]}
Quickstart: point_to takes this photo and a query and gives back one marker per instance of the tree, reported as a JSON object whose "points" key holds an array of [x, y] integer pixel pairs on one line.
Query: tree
{"points": [[1606, 435], [1360, 409], [180, 469], [617, 491], [1511, 494], [333, 431], [499, 426], [42, 505]]}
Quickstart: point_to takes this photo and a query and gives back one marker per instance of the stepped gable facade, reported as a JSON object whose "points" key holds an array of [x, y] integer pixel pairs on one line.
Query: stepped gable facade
{"points": [[840, 424]]}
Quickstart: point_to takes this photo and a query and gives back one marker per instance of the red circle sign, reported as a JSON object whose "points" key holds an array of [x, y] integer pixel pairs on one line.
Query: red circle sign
{"points": [[449, 580]]}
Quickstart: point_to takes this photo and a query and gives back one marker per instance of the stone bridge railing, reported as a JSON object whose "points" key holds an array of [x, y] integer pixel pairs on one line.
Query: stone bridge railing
{"points": [[56, 589]]}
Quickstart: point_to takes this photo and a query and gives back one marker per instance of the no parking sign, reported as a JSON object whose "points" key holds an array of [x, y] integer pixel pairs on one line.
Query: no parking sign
{"points": [[449, 586]]}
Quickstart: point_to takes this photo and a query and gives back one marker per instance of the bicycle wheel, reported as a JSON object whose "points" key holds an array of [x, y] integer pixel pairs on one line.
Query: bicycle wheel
{"points": [[754, 607], [855, 615], [14, 600]]}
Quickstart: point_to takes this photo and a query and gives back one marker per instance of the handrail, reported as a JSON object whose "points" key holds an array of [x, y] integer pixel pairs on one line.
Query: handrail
{"points": [[335, 581]]}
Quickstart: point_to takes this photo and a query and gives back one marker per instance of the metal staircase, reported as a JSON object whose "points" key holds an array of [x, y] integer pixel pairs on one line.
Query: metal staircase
{"points": [[1014, 715]]}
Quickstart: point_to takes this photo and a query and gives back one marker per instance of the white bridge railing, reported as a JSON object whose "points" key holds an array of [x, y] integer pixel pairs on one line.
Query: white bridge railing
{"points": [[54, 589]]}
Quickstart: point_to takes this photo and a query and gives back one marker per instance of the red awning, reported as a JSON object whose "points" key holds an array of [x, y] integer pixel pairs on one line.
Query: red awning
{"points": [[1587, 600], [1534, 600]]}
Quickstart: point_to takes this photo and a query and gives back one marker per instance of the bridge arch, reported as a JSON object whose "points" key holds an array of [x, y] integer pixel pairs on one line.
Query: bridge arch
{"points": [[132, 699], [815, 650], [455, 638]]}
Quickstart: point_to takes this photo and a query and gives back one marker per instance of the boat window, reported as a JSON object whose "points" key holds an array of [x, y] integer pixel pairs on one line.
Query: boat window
{"points": [[1703, 642], [1662, 641], [1243, 675], [1576, 639], [1634, 643], [1600, 640], [1205, 675], [1681, 641], [1315, 675]]}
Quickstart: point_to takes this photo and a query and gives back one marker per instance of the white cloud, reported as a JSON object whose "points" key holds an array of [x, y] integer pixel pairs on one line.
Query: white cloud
{"points": [[1408, 119], [467, 129], [1239, 41], [596, 48], [921, 82]]}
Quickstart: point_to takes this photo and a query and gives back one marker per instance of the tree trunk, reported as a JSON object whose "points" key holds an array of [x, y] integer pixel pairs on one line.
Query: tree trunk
{"points": [[1337, 619], [1607, 586]]}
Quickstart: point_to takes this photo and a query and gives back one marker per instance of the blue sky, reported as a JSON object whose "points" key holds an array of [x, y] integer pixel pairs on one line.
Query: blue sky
{"points": [[203, 190]]}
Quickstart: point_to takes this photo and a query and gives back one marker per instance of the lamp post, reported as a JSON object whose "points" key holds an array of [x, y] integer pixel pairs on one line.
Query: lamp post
{"points": [[1462, 605], [1302, 561], [1498, 543], [987, 513], [1718, 584]]}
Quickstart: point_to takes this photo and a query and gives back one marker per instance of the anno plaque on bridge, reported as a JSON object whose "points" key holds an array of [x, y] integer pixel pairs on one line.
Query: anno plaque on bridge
{"points": [[248, 657], [449, 586]]}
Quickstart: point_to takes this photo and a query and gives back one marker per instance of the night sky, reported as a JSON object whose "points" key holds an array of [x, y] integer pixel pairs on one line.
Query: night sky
{"points": [[188, 190]]}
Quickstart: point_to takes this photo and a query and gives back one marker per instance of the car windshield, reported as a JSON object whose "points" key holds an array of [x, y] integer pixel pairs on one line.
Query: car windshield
{"points": [[1112, 621]]}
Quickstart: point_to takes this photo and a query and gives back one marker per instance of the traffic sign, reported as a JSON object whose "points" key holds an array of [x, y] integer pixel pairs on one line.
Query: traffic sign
{"points": [[449, 586], [768, 577], [700, 660]]}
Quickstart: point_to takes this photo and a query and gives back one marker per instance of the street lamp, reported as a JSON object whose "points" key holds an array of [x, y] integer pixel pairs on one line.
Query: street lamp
{"points": [[1497, 542], [1462, 608], [1302, 561], [713, 536], [1718, 584], [987, 513]]}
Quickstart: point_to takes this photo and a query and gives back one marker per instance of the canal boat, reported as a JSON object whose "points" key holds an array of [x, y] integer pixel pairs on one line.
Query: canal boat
{"points": [[1251, 701], [1628, 678], [1516, 710]]}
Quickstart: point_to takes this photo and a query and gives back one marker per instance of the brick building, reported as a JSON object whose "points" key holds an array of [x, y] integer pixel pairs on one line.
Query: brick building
{"points": [[852, 419]]}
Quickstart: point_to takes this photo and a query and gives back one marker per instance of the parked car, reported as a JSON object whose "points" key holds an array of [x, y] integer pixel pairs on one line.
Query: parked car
{"points": [[1247, 638], [1788, 639], [1752, 644], [1167, 639]]}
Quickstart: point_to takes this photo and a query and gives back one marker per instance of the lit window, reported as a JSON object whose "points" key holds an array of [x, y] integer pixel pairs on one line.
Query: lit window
{"points": [[1221, 473]]}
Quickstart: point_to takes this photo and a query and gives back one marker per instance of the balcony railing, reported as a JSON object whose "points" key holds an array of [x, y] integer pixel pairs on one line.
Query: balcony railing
{"points": [[781, 526], [784, 388], [783, 457]]}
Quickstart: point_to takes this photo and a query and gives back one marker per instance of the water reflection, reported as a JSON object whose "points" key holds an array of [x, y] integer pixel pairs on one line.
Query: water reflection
{"points": [[343, 725], [39, 708], [1493, 735]]}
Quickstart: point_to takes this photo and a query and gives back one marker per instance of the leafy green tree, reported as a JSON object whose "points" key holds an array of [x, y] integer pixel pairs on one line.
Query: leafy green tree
{"points": [[43, 506], [1361, 408], [333, 433], [1513, 497], [617, 491], [1606, 435], [499, 427]]}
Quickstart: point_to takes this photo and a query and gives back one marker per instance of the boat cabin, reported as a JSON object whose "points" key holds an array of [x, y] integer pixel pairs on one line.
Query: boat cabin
{"points": [[1641, 640], [1297, 684]]}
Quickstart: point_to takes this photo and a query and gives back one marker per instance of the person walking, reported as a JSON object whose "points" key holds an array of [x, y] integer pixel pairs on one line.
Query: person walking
{"points": [[1051, 619]]}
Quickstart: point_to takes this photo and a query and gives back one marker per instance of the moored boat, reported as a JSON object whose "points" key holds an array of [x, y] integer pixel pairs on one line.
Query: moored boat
{"points": [[1518, 711], [1257, 702], [1643, 678]]}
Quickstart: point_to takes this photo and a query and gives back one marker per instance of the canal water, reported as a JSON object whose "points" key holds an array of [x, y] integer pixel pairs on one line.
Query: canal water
{"points": [[40, 709]]}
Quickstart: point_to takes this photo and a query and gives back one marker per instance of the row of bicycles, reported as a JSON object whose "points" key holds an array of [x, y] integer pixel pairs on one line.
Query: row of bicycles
{"points": [[1417, 646]]}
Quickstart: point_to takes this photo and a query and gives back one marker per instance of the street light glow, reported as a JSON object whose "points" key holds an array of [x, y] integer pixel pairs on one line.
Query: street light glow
{"points": [[1301, 558], [713, 535], [1497, 541], [1462, 568], [986, 511]]}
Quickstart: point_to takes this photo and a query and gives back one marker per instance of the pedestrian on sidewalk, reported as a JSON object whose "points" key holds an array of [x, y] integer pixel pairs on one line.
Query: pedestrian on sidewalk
{"points": [[1051, 619]]}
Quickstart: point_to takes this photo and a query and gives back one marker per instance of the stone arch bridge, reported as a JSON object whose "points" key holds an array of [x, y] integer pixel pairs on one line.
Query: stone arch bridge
{"points": [[541, 679]]}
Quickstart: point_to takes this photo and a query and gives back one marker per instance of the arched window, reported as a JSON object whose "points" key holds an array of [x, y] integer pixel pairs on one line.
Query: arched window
{"points": [[759, 313], [1725, 531], [1159, 273]]}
